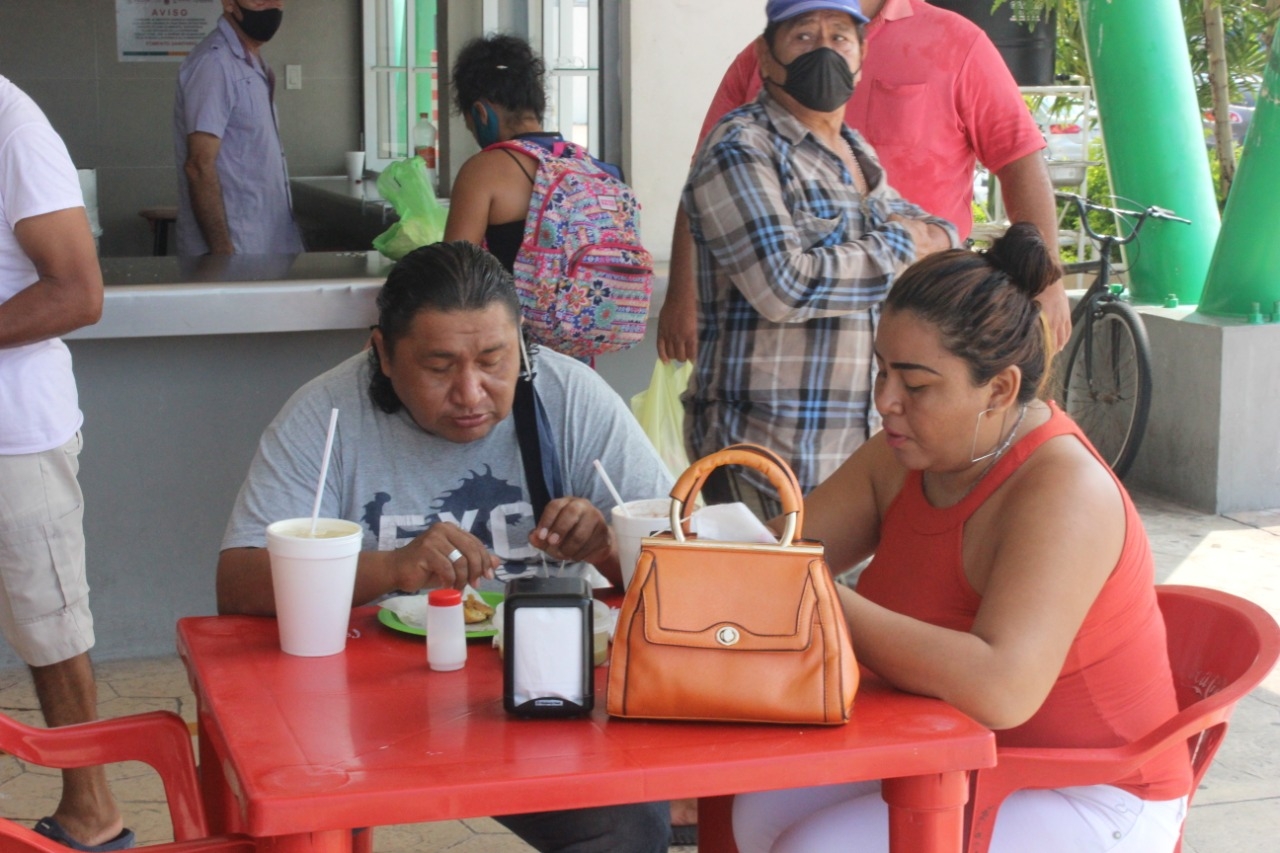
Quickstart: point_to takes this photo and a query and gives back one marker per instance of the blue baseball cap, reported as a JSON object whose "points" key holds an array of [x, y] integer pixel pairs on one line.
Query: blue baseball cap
{"points": [[782, 10]]}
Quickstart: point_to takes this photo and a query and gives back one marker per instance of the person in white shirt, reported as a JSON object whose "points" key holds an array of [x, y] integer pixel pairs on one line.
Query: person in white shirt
{"points": [[50, 284]]}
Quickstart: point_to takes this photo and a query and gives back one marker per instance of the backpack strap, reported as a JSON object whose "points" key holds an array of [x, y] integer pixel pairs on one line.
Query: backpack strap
{"points": [[541, 147], [537, 450], [525, 146]]}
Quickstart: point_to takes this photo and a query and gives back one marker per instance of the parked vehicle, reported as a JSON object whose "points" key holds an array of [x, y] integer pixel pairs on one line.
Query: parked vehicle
{"points": [[1241, 117]]}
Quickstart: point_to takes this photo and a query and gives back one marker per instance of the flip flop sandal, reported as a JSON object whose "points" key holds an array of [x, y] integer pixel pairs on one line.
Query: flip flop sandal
{"points": [[50, 828]]}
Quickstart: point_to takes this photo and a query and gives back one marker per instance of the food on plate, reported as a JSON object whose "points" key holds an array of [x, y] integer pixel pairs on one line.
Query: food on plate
{"points": [[474, 610]]}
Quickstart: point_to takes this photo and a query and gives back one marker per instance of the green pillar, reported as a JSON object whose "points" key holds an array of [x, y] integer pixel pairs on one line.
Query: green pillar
{"points": [[1246, 263], [1152, 131]]}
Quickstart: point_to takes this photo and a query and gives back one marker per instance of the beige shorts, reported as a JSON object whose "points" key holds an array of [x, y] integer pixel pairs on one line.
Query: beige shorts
{"points": [[44, 596]]}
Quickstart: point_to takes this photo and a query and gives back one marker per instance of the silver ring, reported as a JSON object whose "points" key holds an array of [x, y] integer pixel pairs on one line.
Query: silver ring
{"points": [[454, 556]]}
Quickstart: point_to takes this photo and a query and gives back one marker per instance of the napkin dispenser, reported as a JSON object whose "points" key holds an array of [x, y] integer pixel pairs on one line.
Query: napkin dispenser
{"points": [[547, 626]]}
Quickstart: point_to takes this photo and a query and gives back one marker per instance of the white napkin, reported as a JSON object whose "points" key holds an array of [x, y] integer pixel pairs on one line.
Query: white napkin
{"points": [[548, 654], [730, 523], [411, 609]]}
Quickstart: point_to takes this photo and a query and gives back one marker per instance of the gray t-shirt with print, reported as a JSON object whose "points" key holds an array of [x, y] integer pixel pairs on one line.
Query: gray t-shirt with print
{"points": [[397, 480]]}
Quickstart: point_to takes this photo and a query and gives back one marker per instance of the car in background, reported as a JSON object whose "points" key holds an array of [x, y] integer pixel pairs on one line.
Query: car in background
{"points": [[1241, 116]]}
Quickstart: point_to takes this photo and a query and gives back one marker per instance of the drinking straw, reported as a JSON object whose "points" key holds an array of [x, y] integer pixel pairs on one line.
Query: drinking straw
{"points": [[324, 468], [608, 484]]}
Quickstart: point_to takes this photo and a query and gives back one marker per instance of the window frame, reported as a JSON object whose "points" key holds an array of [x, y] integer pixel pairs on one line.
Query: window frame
{"points": [[602, 118]]}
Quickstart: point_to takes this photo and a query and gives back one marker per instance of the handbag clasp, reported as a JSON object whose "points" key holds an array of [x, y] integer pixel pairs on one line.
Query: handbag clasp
{"points": [[727, 636]]}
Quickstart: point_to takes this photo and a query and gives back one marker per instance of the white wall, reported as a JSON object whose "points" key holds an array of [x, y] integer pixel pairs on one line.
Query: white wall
{"points": [[674, 53]]}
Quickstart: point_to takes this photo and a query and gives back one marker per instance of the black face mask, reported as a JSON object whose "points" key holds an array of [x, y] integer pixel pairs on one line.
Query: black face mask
{"points": [[260, 24], [820, 80]]}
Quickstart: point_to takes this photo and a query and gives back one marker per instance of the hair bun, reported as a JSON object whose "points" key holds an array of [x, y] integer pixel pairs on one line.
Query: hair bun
{"points": [[1022, 255]]}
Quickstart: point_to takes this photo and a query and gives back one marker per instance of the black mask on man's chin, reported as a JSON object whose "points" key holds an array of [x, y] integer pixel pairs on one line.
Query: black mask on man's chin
{"points": [[260, 24], [820, 80]]}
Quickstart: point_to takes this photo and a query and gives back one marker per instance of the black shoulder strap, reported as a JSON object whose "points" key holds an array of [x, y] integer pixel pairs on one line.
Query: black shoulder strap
{"points": [[519, 165], [529, 436]]}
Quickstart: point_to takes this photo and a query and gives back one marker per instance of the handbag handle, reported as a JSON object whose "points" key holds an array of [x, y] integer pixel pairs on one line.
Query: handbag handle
{"points": [[754, 456]]}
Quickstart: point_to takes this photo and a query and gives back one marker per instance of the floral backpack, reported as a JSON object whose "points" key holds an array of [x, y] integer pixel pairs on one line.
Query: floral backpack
{"points": [[583, 277]]}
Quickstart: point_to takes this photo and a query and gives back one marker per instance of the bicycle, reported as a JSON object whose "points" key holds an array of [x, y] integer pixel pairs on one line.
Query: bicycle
{"points": [[1106, 386]]}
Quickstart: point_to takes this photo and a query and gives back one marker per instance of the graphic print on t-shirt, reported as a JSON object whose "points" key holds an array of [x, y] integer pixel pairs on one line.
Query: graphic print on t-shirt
{"points": [[491, 509]]}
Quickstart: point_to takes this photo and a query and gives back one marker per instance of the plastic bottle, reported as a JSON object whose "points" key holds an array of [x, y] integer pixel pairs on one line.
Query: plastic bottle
{"points": [[446, 632], [424, 144]]}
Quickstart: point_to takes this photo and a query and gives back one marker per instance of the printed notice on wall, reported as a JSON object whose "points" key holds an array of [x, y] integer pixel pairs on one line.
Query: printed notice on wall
{"points": [[162, 30]]}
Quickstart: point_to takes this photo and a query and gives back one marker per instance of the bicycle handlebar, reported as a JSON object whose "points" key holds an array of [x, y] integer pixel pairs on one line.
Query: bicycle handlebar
{"points": [[1083, 206]]}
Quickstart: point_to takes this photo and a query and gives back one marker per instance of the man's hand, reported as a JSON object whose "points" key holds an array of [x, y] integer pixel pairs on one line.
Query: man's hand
{"points": [[678, 319], [573, 529], [425, 562], [1057, 311], [205, 187], [928, 238], [1028, 197], [678, 326]]}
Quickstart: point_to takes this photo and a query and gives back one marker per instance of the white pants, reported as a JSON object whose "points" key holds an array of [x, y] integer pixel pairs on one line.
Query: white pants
{"points": [[854, 817]]}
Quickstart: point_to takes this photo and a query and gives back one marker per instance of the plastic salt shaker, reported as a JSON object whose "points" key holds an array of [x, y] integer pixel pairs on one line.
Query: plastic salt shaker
{"points": [[446, 632]]}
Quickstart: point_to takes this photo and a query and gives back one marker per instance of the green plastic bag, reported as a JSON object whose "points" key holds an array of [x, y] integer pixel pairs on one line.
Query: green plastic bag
{"points": [[406, 184], [661, 414]]}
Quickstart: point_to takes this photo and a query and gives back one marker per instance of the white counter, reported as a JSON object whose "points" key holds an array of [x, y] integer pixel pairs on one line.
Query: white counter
{"points": [[236, 294]]}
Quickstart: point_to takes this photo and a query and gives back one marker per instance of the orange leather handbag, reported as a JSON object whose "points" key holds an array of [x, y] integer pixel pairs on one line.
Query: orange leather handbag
{"points": [[731, 631]]}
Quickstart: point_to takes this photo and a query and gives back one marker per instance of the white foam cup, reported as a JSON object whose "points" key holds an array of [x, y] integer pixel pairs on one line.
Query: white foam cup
{"points": [[643, 518], [313, 578], [355, 166]]}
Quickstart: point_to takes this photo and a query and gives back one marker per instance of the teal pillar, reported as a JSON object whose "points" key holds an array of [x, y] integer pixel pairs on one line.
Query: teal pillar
{"points": [[1244, 276], [1152, 131]]}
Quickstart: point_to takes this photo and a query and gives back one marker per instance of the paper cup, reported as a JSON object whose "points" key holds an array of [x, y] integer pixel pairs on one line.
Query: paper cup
{"points": [[599, 632], [643, 518], [355, 166], [313, 578]]}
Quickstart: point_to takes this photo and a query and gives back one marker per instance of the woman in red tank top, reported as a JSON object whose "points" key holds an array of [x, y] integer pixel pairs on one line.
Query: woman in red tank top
{"points": [[982, 590]]}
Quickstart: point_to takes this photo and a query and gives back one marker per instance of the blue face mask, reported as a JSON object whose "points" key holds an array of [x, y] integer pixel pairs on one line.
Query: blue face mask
{"points": [[484, 121]]}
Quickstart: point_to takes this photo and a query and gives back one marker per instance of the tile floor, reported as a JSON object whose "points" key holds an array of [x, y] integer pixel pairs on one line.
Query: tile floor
{"points": [[1237, 808]]}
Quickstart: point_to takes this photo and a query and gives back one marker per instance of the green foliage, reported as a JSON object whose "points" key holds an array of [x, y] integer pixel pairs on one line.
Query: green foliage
{"points": [[1215, 169], [1248, 27]]}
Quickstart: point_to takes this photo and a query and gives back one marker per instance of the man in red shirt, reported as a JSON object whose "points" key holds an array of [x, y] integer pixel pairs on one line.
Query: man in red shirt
{"points": [[934, 98]]}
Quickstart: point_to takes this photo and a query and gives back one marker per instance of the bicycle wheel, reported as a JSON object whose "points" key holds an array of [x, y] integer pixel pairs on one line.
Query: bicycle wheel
{"points": [[1107, 384]]}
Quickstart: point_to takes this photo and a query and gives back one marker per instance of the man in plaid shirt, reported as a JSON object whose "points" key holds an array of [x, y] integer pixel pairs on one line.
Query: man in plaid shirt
{"points": [[799, 238]]}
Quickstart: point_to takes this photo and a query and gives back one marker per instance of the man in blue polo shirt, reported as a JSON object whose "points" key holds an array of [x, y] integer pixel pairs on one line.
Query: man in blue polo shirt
{"points": [[233, 184]]}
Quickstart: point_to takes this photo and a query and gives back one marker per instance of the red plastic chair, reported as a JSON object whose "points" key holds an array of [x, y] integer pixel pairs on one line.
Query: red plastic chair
{"points": [[1220, 648], [159, 739]]}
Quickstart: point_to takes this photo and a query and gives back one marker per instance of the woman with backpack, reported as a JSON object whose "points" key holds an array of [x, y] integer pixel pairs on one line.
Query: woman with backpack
{"points": [[561, 221], [499, 90]]}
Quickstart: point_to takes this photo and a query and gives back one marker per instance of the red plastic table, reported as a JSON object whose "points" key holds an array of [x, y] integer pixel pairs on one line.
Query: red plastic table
{"points": [[300, 750]]}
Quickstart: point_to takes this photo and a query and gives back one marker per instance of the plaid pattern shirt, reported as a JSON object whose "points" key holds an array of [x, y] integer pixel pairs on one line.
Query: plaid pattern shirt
{"points": [[792, 265]]}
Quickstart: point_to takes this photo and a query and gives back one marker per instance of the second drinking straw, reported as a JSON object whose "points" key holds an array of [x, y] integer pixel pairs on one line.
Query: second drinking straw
{"points": [[608, 484], [324, 468]]}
